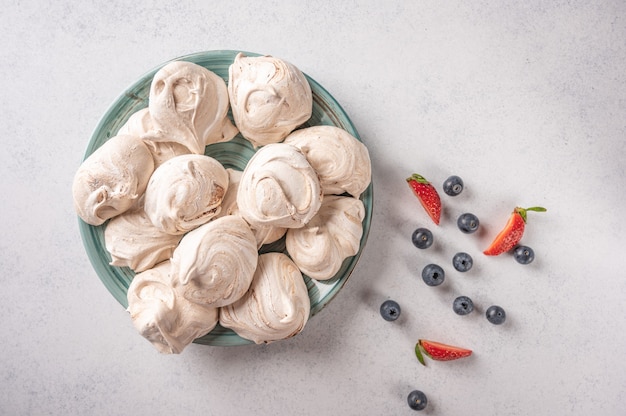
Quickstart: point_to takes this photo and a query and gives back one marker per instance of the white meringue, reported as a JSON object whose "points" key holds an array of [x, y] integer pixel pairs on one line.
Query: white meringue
{"points": [[341, 161], [133, 241], [163, 317], [269, 98], [277, 305], [213, 265], [279, 188], [189, 105], [334, 234], [263, 235], [140, 124], [111, 179], [185, 192]]}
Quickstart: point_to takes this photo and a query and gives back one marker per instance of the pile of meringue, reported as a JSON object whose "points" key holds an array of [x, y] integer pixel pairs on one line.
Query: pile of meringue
{"points": [[192, 229]]}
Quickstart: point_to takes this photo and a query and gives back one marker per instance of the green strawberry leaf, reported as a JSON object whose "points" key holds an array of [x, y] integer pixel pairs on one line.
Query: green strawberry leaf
{"points": [[418, 178], [522, 211], [418, 354], [536, 209]]}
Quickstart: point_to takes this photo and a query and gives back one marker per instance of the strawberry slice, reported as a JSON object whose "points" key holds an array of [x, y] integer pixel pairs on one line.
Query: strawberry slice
{"points": [[427, 195], [512, 232], [438, 351]]}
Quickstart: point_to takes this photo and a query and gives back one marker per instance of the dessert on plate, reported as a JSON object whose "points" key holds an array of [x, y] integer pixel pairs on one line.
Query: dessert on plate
{"points": [[189, 105], [341, 161], [279, 188], [192, 230], [166, 319], [111, 179], [333, 234], [185, 192], [213, 265], [269, 98], [277, 305]]}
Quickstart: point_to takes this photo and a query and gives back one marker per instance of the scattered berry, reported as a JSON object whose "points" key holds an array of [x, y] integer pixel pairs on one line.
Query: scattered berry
{"points": [[417, 400], [422, 238], [462, 305], [496, 315], [512, 232], [524, 254], [433, 275], [438, 351], [453, 185], [462, 262], [468, 223], [390, 310], [427, 195]]}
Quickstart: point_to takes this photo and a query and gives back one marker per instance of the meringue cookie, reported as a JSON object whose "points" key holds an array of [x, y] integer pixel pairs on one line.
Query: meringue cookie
{"points": [[189, 105], [140, 124], [334, 234], [269, 98], [111, 179], [213, 265], [277, 305], [263, 235], [185, 192], [279, 188], [341, 161], [133, 241], [164, 318]]}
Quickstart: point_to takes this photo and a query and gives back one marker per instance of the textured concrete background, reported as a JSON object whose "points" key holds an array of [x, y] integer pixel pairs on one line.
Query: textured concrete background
{"points": [[525, 101]]}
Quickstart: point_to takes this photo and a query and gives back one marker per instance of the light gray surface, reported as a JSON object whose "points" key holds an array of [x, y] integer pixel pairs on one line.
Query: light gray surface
{"points": [[526, 102]]}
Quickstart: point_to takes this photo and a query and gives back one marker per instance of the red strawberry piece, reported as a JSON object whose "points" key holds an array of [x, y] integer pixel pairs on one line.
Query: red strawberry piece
{"points": [[512, 232], [427, 195], [439, 352]]}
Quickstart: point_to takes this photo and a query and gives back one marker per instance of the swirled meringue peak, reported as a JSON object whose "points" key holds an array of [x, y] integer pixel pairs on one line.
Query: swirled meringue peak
{"points": [[133, 241], [213, 265], [334, 234], [269, 98], [263, 235], [277, 305], [167, 320], [111, 179], [189, 105], [140, 124], [185, 192], [341, 161], [279, 188]]}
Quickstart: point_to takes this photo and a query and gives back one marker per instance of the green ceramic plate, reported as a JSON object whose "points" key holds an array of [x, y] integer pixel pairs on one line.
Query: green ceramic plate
{"points": [[233, 154]]}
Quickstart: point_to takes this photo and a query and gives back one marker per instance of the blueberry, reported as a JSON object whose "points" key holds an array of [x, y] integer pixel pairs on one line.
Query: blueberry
{"points": [[468, 223], [390, 310], [523, 254], [462, 262], [453, 185], [462, 305], [495, 315], [417, 400], [433, 275], [422, 238]]}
